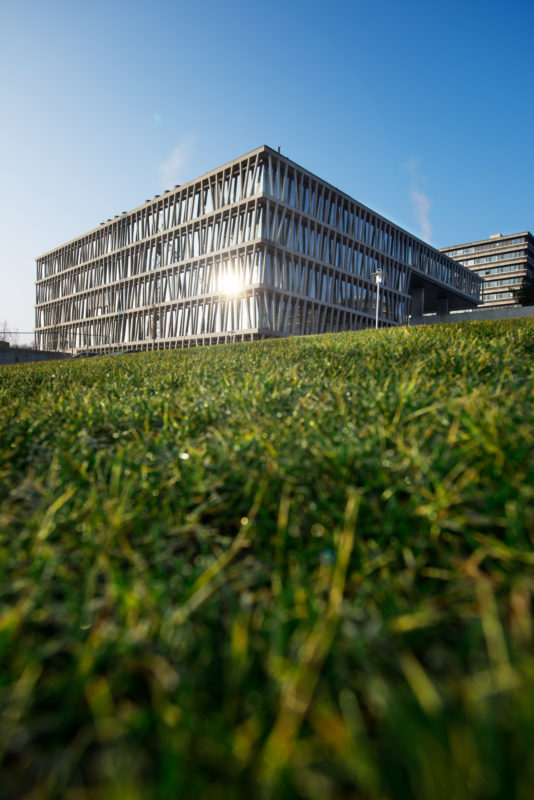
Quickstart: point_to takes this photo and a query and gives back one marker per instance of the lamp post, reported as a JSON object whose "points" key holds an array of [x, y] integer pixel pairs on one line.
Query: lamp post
{"points": [[231, 286], [379, 277]]}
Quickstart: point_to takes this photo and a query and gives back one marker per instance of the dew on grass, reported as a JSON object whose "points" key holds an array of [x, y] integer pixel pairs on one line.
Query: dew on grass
{"points": [[327, 556]]}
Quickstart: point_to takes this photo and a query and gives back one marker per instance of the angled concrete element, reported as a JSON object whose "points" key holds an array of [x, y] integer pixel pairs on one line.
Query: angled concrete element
{"points": [[257, 248]]}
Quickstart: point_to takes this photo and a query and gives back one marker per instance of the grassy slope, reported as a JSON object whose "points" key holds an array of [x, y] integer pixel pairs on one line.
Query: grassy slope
{"points": [[297, 568]]}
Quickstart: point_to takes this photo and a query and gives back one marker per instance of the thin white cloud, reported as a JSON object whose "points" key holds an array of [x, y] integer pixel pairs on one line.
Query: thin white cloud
{"points": [[421, 205], [421, 202], [171, 170]]}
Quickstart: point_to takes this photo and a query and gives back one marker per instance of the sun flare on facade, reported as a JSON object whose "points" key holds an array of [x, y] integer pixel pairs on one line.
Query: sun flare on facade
{"points": [[231, 283]]}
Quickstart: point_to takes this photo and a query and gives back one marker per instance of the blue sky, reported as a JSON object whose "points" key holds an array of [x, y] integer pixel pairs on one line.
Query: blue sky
{"points": [[421, 110]]}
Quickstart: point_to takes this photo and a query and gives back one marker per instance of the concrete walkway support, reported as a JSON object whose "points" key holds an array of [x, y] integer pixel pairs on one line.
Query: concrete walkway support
{"points": [[486, 314]]}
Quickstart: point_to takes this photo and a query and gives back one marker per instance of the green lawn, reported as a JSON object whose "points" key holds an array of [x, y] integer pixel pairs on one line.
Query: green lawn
{"points": [[284, 569]]}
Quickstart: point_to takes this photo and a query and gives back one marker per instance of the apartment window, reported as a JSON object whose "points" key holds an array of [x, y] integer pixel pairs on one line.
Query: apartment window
{"points": [[503, 282], [499, 270], [499, 296]]}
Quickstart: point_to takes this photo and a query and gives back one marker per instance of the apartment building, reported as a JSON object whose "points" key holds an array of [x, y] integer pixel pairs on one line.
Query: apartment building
{"points": [[501, 261]]}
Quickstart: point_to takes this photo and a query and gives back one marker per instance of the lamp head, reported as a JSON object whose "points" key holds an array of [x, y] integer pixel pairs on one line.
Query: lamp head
{"points": [[378, 276]]}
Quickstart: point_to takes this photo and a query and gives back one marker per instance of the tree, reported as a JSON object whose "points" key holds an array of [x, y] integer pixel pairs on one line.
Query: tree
{"points": [[8, 335], [525, 294]]}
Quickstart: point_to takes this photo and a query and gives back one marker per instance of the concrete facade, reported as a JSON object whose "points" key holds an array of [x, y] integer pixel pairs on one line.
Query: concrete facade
{"points": [[501, 261], [257, 248]]}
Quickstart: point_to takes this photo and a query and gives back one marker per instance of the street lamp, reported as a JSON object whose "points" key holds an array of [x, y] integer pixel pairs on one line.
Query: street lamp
{"points": [[379, 277]]}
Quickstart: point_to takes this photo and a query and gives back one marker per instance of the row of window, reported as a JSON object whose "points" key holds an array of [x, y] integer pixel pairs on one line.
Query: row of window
{"points": [[500, 270], [133, 275], [254, 268], [499, 296], [265, 311], [496, 257], [503, 282], [179, 320], [490, 246]]}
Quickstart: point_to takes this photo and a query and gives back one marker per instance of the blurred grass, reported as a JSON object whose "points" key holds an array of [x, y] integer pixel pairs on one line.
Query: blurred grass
{"points": [[284, 569]]}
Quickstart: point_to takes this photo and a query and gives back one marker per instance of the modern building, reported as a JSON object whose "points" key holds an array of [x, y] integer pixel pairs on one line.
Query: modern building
{"points": [[501, 261], [257, 248]]}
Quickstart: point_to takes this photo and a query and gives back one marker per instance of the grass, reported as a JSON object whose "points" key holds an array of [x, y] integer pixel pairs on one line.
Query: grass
{"points": [[284, 569]]}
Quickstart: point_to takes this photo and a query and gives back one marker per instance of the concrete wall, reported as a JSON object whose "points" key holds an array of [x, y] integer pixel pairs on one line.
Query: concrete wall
{"points": [[477, 314], [21, 355]]}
